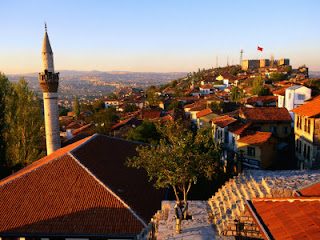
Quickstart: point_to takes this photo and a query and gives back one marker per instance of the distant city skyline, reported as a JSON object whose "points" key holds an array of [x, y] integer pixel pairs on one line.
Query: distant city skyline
{"points": [[157, 36]]}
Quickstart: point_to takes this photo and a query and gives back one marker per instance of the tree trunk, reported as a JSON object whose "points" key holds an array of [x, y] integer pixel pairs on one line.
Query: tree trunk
{"points": [[175, 192]]}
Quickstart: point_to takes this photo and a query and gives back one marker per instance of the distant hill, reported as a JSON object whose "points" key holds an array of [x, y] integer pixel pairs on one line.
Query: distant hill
{"points": [[314, 74], [97, 83]]}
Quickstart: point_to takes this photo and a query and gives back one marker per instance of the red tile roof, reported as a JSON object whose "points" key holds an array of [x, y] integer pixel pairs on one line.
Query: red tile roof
{"points": [[309, 109], [266, 114], [262, 99], [121, 123], [204, 112], [151, 114], [287, 218], [256, 138], [85, 128], [207, 86], [82, 189], [223, 121], [238, 128], [311, 191]]}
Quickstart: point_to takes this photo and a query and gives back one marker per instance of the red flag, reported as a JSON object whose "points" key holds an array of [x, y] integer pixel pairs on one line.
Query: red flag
{"points": [[260, 48]]}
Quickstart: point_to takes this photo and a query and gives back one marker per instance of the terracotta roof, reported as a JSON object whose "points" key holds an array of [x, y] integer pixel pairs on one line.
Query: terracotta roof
{"points": [[238, 128], [74, 125], [204, 112], [198, 107], [266, 114], [121, 123], [167, 118], [207, 86], [82, 189], [262, 99], [309, 109], [223, 121], [256, 138], [151, 114], [287, 218], [311, 191], [82, 129], [227, 76]]}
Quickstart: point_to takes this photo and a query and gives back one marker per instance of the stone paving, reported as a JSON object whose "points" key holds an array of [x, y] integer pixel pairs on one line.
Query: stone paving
{"points": [[198, 228]]}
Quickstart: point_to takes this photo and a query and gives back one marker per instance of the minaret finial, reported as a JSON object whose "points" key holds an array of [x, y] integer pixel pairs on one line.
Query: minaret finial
{"points": [[45, 26]]}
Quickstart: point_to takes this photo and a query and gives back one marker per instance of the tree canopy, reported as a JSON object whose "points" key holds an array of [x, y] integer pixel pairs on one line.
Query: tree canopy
{"points": [[180, 158], [147, 132], [23, 126]]}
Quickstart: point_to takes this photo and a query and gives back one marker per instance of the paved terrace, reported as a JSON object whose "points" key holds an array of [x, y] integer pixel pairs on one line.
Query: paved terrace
{"points": [[198, 228]]}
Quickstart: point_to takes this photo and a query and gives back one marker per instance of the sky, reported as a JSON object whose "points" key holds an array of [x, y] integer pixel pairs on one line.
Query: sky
{"points": [[157, 36]]}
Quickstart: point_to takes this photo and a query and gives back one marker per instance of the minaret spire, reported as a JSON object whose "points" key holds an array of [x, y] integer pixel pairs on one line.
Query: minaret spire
{"points": [[45, 26], [49, 82]]}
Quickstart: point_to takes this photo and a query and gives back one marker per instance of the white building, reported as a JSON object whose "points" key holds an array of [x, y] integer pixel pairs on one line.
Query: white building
{"points": [[295, 96]]}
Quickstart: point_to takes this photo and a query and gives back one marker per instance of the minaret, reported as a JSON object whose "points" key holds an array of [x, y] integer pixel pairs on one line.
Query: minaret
{"points": [[49, 81]]}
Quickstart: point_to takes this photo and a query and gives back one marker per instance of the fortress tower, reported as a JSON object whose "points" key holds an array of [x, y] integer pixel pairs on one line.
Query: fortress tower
{"points": [[49, 81]]}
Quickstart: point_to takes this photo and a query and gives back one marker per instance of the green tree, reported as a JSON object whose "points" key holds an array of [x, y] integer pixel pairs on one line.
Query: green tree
{"points": [[103, 120], [76, 107], [4, 89], [147, 132], [180, 158], [152, 97], [24, 126], [98, 105], [175, 105], [63, 112], [258, 88], [236, 94], [130, 108], [277, 76]]}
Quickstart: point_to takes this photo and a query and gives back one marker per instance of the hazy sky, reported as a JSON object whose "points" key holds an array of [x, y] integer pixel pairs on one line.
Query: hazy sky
{"points": [[156, 36]]}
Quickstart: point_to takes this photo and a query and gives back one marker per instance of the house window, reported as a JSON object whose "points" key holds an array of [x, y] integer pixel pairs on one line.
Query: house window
{"points": [[285, 130], [251, 151], [273, 129], [308, 125], [301, 97]]}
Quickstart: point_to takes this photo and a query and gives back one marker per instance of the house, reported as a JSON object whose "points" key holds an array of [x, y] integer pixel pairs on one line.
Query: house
{"points": [[257, 150], [206, 89], [120, 129], [83, 190], [193, 92], [268, 119], [111, 102], [226, 78], [296, 96], [307, 134], [262, 101], [205, 117]]}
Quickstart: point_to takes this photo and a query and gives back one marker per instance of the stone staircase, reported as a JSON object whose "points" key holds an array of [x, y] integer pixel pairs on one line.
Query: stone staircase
{"points": [[228, 204]]}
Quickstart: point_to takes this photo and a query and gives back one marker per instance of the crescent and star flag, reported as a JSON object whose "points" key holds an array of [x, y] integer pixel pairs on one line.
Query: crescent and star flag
{"points": [[260, 48]]}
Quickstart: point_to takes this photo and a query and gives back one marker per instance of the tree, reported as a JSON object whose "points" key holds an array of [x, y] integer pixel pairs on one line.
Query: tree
{"points": [[130, 108], [236, 94], [103, 120], [76, 107], [175, 105], [277, 76], [24, 126], [63, 112], [4, 89], [147, 132], [179, 159], [258, 88]]}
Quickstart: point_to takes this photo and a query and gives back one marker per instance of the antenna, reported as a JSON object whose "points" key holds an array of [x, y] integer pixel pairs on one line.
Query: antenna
{"points": [[216, 61], [228, 61], [241, 55], [45, 26]]}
